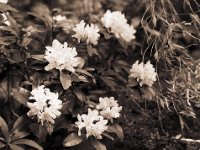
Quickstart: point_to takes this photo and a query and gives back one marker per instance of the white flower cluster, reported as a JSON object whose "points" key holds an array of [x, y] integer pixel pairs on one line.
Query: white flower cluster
{"points": [[144, 73], [86, 32], [95, 122], [46, 105], [59, 18], [117, 24], [109, 108], [62, 57]]}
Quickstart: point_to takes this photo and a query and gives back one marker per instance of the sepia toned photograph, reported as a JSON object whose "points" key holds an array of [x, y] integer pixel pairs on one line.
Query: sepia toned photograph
{"points": [[99, 74]]}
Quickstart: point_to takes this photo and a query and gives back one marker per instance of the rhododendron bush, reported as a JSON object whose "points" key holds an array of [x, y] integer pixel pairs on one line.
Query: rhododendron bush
{"points": [[99, 74]]}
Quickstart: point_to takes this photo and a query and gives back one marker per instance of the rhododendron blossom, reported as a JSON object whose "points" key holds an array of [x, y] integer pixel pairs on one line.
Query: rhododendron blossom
{"points": [[144, 73], [117, 24], [109, 108], [86, 32], [46, 105], [60, 56], [93, 123]]}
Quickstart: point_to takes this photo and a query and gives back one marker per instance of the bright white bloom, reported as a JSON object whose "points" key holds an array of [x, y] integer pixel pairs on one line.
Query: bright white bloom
{"points": [[60, 56], [137, 70], [59, 18], [149, 75], [93, 123], [109, 108], [117, 24], [144, 73], [4, 1], [80, 31], [5, 19], [86, 32], [46, 105], [92, 34]]}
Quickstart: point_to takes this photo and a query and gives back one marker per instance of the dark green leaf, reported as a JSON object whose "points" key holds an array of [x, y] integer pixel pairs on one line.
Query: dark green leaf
{"points": [[74, 77], [83, 78], [19, 128], [132, 82], [62, 123], [148, 93], [92, 51], [84, 72], [19, 135], [42, 12], [2, 145], [116, 128], [109, 81], [65, 80], [20, 122], [122, 63], [30, 143], [38, 57], [80, 95], [98, 145], [4, 128], [3, 90], [65, 107], [5, 7], [123, 43], [42, 133], [34, 128], [72, 140], [15, 147], [108, 136], [21, 96]]}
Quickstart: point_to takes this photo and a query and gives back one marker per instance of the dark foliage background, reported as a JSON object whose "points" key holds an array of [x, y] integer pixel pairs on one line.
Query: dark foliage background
{"points": [[168, 33]]}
